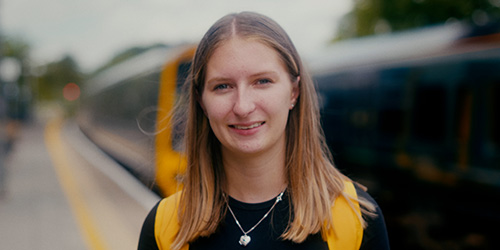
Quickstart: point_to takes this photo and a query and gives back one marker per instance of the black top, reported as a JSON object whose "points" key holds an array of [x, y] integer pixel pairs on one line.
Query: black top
{"points": [[266, 235]]}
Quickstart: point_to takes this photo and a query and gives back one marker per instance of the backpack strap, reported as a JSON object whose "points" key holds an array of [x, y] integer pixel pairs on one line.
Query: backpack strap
{"points": [[347, 230], [167, 222]]}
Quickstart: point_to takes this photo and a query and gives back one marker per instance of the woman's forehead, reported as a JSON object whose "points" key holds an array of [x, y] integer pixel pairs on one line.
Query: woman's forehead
{"points": [[243, 56]]}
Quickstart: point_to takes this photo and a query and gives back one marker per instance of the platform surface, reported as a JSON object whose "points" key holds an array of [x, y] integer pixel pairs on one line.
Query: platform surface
{"points": [[60, 192]]}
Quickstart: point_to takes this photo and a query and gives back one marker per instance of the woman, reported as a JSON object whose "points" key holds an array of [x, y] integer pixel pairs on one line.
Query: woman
{"points": [[259, 174]]}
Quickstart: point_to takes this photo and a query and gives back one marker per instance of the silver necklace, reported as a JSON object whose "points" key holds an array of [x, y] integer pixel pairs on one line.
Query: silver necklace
{"points": [[245, 239]]}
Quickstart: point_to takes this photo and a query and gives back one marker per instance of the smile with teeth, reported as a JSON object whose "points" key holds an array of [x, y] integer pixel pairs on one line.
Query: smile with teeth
{"points": [[247, 127]]}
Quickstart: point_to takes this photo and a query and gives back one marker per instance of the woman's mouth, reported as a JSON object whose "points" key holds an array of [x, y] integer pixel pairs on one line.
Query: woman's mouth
{"points": [[243, 127]]}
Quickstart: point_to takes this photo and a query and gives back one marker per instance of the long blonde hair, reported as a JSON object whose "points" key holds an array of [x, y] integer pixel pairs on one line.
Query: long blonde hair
{"points": [[313, 181]]}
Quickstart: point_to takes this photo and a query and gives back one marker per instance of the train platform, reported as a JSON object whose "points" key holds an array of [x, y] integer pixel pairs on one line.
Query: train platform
{"points": [[61, 192]]}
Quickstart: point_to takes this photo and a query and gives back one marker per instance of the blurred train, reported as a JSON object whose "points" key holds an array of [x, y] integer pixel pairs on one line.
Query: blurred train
{"points": [[413, 116], [126, 111]]}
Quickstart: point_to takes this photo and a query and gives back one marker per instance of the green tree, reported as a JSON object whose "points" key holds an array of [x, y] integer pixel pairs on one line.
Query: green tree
{"points": [[15, 47], [370, 17], [54, 76], [16, 94]]}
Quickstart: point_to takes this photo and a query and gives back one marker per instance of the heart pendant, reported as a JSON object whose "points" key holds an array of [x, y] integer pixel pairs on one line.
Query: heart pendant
{"points": [[244, 240]]}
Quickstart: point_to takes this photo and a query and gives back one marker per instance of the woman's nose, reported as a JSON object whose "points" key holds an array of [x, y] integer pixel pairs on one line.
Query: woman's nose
{"points": [[244, 103]]}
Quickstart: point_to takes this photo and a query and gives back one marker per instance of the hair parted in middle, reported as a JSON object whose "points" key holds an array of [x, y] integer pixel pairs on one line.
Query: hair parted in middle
{"points": [[312, 179]]}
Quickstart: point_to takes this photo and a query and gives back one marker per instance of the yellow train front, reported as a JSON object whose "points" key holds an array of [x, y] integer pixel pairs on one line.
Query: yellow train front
{"points": [[126, 112]]}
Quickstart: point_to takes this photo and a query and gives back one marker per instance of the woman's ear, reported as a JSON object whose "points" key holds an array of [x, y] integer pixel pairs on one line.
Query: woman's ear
{"points": [[295, 92]]}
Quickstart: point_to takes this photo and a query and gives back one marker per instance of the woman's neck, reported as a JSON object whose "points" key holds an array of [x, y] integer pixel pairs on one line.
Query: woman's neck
{"points": [[256, 178]]}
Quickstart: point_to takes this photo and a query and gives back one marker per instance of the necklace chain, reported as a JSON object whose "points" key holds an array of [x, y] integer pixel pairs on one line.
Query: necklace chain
{"points": [[245, 239]]}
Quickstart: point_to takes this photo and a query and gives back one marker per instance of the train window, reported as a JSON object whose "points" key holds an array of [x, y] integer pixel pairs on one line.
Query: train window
{"points": [[391, 121], [483, 138], [146, 91], [493, 113], [429, 113], [391, 95], [463, 113], [182, 74]]}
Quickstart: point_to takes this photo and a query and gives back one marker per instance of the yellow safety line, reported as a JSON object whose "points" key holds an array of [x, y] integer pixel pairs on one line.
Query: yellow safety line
{"points": [[59, 156]]}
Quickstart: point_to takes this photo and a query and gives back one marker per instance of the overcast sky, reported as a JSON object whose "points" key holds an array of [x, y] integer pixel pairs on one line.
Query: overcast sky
{"points": [[94, 30]]}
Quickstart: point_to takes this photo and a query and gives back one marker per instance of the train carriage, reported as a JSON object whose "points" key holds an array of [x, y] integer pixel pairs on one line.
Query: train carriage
{"points": [[126, 111], [415, 117]]}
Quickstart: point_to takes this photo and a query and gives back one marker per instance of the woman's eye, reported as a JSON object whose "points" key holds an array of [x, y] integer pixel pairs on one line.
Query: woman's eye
{"points": [[221, 86], [264, 81]]}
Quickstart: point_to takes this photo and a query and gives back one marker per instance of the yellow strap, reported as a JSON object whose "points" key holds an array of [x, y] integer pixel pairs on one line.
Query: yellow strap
{"points": [[167, 223], [347, 231]]}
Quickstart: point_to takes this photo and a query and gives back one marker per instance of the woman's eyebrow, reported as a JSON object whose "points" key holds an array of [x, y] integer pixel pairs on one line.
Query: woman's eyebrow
{"points": [[273, 74], [217, 79]]}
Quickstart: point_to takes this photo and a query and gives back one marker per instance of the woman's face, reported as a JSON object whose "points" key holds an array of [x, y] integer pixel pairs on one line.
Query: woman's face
{"points": [[247, 96]]}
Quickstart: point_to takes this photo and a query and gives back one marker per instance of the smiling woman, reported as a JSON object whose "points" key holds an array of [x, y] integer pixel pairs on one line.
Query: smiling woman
{"points": [[255, 148], [249, 114]]}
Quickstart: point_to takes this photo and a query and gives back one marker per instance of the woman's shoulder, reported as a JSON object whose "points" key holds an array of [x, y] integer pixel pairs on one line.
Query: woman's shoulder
{"points": [[362, 192], [375, 234], [147, 239]]}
